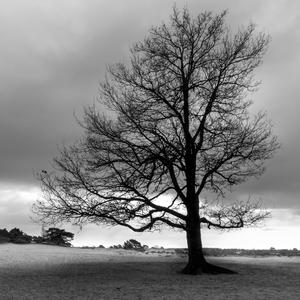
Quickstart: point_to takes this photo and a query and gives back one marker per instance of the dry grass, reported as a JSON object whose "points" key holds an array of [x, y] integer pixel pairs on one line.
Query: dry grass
{"points": [[49, 272]]}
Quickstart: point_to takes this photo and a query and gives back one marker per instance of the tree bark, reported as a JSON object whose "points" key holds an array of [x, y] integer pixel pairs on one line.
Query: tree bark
{"points": [[197, 263]]}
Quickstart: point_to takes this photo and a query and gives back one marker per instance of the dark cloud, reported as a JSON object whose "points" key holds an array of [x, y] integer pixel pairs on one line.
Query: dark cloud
{"points": [[54, 54], [51, 65]]}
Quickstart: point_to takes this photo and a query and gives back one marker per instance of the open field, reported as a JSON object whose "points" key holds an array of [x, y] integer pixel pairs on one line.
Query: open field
{"points": [[50, 272]]}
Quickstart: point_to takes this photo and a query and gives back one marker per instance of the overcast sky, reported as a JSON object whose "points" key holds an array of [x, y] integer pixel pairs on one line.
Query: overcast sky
{"points": [[53, 55]]}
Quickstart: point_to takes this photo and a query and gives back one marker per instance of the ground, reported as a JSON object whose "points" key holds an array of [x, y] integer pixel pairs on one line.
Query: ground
{"points": [[51, 272]]}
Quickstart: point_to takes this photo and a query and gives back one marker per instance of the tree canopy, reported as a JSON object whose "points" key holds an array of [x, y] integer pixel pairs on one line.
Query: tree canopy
{"points": [[176, 124]]}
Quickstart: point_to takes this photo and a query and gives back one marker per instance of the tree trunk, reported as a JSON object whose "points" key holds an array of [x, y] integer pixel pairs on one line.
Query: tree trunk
{"points": [[197, 263]]}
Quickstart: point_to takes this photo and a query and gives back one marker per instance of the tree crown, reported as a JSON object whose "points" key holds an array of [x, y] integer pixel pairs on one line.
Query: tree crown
{"points": [[178, 125]]}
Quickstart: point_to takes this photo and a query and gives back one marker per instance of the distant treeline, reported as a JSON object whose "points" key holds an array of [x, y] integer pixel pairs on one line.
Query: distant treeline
{"points": [[56, 236], [128, 245], [135, 245], [53, 236], [245, 252]]}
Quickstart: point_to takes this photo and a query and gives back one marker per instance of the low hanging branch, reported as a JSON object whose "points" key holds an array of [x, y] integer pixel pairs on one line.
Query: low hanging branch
{"points": [[241, 214]]}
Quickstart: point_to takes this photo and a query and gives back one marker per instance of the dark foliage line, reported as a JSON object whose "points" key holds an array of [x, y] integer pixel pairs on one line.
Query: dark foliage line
{"points": [[245, 252], [128, 245], [54, 236]]}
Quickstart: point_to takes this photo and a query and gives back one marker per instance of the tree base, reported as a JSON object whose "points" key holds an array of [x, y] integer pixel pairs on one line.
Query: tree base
{"points": [[205, 268]]}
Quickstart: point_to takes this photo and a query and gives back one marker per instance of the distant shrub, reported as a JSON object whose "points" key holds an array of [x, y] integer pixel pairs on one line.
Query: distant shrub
{"points": [[134, 245], [181, 252], [4, 233], [21, 240], [116, 247], [37, 239], [58, 237], [4, 239], [4, 236], [19, 237], [101, 246], [15, 233]]}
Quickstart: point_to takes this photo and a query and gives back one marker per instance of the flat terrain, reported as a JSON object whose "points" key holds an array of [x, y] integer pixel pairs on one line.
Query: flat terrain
{"points": [[50, 272]]}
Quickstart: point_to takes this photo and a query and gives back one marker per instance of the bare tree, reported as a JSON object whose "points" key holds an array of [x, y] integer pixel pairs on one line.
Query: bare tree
{"points": [[176, 125]]}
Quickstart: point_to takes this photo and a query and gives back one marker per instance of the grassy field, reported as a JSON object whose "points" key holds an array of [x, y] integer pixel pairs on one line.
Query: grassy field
{"points": [[50, 272]]}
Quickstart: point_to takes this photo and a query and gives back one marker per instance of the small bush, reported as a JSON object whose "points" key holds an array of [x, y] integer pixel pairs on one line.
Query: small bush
{"points": [[134, 245], [21, 240], [4, 239], [37, 239]]}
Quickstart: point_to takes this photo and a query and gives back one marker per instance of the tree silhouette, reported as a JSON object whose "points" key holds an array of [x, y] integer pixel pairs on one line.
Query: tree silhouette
{"points": [[176, 126], [18, 236], [133, 245], [58, 236]]}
